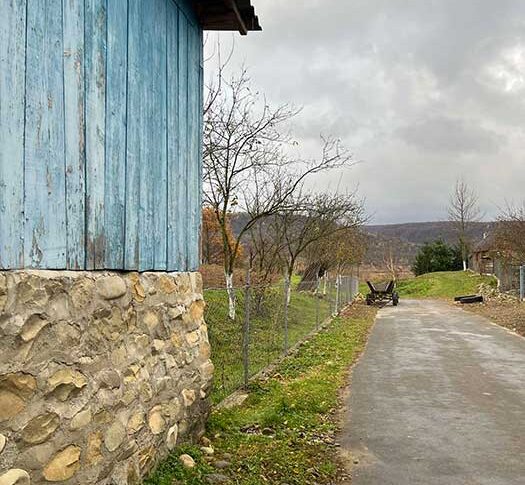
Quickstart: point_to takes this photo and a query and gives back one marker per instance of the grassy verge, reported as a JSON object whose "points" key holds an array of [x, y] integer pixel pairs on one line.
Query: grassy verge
{"points": [[266, 331], [443, 284], [284, 432]]}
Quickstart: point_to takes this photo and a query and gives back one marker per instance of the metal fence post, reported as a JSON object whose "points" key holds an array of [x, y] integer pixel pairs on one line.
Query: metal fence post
{"points": [[246, 331], [286, 303], [522, 282], [337, 289]]}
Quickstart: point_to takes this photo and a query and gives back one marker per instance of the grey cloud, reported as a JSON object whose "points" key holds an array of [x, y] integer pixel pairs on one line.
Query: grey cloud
{"points": [[422, 91], [451, 136]]}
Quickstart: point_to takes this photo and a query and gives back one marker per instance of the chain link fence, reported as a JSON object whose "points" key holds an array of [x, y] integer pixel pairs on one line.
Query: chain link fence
{"points": [[268, 321]]}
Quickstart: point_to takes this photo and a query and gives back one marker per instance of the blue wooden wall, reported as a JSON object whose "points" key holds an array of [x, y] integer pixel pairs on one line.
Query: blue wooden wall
{"points": [[100, 133]]}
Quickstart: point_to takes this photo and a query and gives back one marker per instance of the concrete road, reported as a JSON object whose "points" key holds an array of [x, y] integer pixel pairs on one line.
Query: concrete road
{"points": [[437, 398]]}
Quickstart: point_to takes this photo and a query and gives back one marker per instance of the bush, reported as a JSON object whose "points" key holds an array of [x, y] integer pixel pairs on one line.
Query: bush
{"points": [[437, 256]]}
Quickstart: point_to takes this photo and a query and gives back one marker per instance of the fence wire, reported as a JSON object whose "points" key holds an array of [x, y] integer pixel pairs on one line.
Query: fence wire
{"points": [[267, 324]]}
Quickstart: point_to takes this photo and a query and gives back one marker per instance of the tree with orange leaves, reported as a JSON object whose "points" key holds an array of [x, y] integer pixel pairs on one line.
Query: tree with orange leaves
{"points": [[212, 238]]}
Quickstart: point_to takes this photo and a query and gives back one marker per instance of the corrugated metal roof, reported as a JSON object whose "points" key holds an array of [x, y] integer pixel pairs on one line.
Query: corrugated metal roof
{"points": [[227, 15]]}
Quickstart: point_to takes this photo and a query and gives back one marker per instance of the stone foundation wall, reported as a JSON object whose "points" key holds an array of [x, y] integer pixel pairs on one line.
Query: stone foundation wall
{"points": [[101, 374]]}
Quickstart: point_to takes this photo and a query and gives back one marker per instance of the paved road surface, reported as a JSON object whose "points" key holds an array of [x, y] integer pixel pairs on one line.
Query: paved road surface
{"points": [[437, 398]]}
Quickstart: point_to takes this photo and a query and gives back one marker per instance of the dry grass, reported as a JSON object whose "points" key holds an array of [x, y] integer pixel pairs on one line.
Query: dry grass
{"points": [[508, 314]]}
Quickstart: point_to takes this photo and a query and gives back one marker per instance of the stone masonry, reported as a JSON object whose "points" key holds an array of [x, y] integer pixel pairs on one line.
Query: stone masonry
{"points": [[101, 374]]}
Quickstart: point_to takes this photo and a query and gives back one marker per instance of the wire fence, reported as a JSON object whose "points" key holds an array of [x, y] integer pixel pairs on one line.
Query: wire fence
{"points": [[268, 321]]}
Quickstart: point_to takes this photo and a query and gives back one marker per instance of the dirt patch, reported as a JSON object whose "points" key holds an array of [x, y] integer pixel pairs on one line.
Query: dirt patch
{"points": [[508, 314]]}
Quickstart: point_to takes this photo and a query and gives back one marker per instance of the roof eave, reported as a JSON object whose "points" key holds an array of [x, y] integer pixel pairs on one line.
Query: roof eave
{"points": [[227, 15]]}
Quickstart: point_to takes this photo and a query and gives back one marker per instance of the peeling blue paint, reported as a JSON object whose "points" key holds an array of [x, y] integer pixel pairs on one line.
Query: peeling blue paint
{"points": [[100, 132]]}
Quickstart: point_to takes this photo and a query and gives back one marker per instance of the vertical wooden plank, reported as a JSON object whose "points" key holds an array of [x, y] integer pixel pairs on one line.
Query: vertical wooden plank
{"points": [[192, 168], [12, 83], [132, 200], [181, 212], [158, 132], [200, 149], [147, 122], [175, 181], [45, 229], [116, 114], [95, 45], [74, 131]]}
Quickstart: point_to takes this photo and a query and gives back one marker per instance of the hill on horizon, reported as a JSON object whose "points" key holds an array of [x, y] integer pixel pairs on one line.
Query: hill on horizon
{"points": [[421, 232]]}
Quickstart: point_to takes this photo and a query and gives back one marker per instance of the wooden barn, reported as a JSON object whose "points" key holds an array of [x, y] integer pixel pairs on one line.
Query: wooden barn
{"points": [[100, 130], [105, 360]]}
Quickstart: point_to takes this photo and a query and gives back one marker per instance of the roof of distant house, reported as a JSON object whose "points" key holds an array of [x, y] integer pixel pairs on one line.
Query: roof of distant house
{"points": [[227, 15]]}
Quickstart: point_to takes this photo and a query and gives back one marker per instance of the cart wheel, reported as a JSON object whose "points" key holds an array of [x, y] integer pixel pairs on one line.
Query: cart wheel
{"points": [[395, 299]]}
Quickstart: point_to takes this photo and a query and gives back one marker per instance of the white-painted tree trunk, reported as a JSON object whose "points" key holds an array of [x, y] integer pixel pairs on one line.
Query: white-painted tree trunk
{"points": [[464, 265], [232, 302], [288, 289]]}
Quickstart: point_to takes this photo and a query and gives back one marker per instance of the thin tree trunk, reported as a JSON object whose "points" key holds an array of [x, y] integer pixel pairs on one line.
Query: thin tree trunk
{"points": [[288, 288], [464, 265], [232, 301]]}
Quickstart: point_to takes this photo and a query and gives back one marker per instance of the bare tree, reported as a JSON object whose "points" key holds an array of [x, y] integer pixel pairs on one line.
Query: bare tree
{"points": [[244, 167], [265, 247], [313, 219], [339, 252], [463, 211], [510, 232], [391, 260]]}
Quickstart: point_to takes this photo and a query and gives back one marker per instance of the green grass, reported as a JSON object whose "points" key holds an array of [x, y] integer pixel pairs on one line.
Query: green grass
{"points": [[443, 284], [294, 406], [266, 331]]}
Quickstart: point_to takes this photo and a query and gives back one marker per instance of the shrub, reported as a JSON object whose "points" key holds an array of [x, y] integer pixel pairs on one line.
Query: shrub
{"points": [[437, 256]]}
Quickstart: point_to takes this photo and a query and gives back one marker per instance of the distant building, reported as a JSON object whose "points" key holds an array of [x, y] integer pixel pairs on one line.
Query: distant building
{"points": [[489, 257]]}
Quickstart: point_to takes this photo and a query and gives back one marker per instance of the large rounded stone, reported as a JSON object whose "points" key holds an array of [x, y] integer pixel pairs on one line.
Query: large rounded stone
{"points": [[156, 420], [188, 396], [187, 461], [197, 310], [15, 476], [206, 370], [151, 319], [81, 419], [167, 284], [193, 337], [137, 289], [15, 390], [63, 382], [135, 423], [21, 384], [39, 429], [3, 292], [82, 294], [63, 465], [171, 437], [93, 450], [10, 405], [115, 435], [109, 378], [111, 287], [32, 327]]}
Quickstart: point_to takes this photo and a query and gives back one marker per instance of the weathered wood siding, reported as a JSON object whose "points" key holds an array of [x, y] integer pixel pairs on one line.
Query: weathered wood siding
{"points": [[100, 134]]}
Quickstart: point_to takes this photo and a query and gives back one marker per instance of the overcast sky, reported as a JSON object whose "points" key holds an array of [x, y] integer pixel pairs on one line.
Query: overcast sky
{"points": [[421, 91]]}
